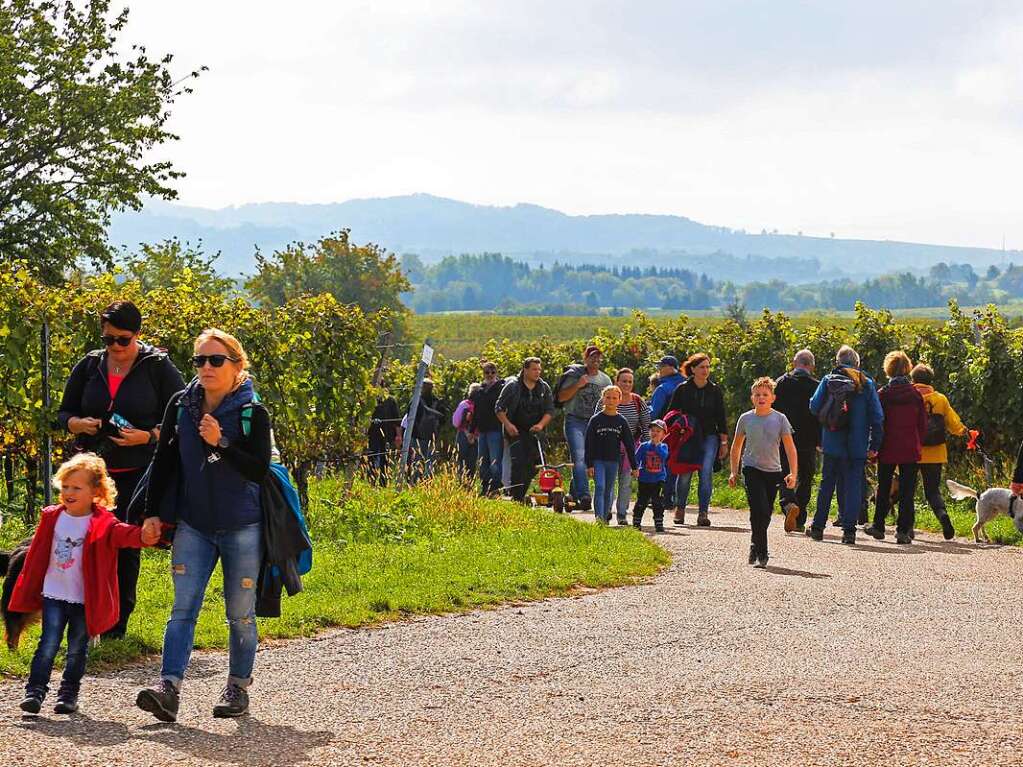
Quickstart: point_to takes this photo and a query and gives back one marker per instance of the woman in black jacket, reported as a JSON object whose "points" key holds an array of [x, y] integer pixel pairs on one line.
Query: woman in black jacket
{"points": [[113, 402], [206, 480], [702, 399]]}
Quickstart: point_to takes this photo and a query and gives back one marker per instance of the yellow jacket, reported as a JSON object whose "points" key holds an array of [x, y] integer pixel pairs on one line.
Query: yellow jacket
{"points": [[938, 404]]}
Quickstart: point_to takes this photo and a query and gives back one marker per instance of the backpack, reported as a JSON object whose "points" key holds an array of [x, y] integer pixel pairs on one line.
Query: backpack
{"points": [[575, 370], [685, 442], [834, 413], [935, 433]]}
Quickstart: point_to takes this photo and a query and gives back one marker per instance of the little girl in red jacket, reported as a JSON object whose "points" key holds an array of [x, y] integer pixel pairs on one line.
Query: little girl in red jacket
{"points": [[70, 575]]}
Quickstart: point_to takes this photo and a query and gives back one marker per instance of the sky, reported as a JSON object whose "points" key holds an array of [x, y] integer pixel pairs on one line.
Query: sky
{"points": [[896, 120]]}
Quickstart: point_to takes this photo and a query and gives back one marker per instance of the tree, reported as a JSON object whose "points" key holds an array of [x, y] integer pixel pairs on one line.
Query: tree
{"points": [[364, 275], [77, 123], [166, 264]]}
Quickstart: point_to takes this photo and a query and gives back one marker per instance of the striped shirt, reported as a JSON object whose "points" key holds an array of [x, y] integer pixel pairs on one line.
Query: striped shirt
{"points": [[637, 415]]}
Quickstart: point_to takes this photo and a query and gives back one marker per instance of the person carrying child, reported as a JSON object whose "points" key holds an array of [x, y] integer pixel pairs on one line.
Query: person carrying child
{"points": [[758, 433], [652, 460], [70, 575], [606, 434]]}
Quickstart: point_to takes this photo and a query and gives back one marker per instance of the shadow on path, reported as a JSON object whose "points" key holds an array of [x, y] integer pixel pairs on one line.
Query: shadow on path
{"points": [[797, 573]]}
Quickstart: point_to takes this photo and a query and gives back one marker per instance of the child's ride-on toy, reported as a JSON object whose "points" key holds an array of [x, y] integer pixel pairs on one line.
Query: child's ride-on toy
{"points": [[552, 487]]}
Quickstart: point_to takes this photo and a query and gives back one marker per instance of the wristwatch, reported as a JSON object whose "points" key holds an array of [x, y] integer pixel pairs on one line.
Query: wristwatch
{"points": [[223, 442]]}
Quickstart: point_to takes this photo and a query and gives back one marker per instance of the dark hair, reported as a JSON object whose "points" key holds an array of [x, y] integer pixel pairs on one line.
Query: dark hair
{"points": [[123, 315], [695, 359], [922, 374], [529, 361], [630, 371]]}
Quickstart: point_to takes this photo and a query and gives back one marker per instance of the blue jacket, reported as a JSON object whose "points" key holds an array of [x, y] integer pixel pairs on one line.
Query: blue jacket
{"points": [[662, 394], [866, 419]]}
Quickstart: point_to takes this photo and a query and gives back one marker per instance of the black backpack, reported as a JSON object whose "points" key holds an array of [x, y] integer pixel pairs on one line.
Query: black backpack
{"points": [[834, 413], [935, 433], [575, 370]]}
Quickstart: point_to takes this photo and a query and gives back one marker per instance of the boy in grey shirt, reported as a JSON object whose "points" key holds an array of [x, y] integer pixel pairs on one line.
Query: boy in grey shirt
{"points": [[760, 431]]}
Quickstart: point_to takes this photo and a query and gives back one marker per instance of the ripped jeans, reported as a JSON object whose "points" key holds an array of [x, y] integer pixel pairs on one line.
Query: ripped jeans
{"points": [[193, 558]]}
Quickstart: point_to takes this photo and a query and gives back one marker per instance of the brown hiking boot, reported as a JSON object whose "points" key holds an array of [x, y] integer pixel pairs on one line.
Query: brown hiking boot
{"points": [[791, 516], [680, 516]]}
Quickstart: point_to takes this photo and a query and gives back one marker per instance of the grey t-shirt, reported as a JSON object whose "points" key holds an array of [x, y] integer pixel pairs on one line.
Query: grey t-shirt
{"points": [[763, 438], [584, 402]]}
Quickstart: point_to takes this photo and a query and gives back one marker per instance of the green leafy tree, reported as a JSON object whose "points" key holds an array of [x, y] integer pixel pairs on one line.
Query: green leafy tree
{"points": [[170, 262], [78, 121]]}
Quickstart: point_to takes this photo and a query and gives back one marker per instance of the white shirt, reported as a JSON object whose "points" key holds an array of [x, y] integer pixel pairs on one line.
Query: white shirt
{"points": [[64, 580]]}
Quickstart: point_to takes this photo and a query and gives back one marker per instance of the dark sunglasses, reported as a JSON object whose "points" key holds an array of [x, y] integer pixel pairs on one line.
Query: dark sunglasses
{"points": [[119, 340], [216, 360]]}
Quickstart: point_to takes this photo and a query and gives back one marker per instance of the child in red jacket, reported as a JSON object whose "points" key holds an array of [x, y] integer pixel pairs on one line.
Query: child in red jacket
{"points": [[70, 575]]}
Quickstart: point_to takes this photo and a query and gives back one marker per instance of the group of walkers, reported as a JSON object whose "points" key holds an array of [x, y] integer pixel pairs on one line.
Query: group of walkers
{"points": [[154, 460], [614, 436]]}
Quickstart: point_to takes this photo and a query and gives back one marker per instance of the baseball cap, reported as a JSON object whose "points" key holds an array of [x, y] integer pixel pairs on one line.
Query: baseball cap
{"points": [[659, 424], [667, 359], [591, 349]]}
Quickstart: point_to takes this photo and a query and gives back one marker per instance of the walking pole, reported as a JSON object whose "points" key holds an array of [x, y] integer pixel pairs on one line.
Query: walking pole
{"points": [[406, 439]]}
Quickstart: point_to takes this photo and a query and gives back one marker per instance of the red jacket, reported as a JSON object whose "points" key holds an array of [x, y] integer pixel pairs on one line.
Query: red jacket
{"points": [[905, 422], [99, 567]]}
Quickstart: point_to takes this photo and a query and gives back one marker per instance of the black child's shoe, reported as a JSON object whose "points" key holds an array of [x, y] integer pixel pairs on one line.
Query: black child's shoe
{"points": [[161, 701], [32, 703], [947, 529], [67, 702], [761, 561], [849, 537], [234, 701]]}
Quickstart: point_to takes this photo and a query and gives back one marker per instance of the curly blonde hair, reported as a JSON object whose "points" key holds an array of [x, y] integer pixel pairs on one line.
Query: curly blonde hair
{"points": [[105, 492]]}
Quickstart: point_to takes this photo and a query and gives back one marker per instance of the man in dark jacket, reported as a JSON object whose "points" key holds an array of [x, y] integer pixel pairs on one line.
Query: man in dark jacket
{"points": [[793, 391], [431, 413], [383, 428], [525, 407], [488, 428]]}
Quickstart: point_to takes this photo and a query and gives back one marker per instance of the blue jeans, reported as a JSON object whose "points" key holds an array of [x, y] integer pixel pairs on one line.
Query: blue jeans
{"points": [[575, 435], [491, 451], [711, 445], [624, 488], [57, 616], [604, 473], [845, 474], [192, 561]]}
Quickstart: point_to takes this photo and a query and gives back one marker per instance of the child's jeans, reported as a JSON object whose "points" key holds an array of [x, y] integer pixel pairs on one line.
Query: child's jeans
{"points": [[761, 489], [649, 494], [604, 474], [57, 616]]}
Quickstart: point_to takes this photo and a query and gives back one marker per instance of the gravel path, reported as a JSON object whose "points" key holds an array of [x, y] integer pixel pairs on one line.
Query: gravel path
{"points": [[878, 654]]}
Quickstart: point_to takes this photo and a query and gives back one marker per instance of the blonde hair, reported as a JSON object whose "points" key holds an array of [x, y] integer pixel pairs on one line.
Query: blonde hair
{"points": [[897, 364], [105, 492], [233, 346], [606, 389], [764, 382]]}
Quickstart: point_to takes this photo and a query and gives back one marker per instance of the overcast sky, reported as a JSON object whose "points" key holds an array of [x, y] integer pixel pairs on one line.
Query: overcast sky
{"points": [[888, 120]]}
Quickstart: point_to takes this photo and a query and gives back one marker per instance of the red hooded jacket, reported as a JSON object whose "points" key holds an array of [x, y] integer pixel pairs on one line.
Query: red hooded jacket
{"points": [[99, 567], [905, 422]]}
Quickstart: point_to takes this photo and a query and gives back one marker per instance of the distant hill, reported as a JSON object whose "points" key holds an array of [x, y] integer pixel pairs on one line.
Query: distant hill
{"points": [[434, 227]]}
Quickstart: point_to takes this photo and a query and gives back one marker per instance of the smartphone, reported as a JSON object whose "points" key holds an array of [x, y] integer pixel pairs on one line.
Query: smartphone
{"points": [[119, 422]]}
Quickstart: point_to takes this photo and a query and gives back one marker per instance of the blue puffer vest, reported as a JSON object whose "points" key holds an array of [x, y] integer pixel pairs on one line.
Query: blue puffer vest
{"points": [[216, 496]]}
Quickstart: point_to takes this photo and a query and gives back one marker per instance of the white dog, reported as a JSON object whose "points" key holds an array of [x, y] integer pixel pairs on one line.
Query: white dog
{"points": [[990, 503]]}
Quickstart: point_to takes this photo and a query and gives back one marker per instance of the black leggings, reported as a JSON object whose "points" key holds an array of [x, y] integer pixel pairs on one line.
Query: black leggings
{"points": [[761, 488], [907, 489], [649, 493], [930, 473]]}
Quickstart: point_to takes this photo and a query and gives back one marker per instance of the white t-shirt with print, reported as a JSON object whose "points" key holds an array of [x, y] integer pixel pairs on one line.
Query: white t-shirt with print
{"points": [[64, 580]]}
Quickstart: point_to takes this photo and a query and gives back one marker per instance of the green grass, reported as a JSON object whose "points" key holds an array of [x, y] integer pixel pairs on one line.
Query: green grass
{"points": [[1000, 530], [380, 556]]}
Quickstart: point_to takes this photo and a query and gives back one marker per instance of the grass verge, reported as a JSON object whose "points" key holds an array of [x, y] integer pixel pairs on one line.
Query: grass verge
{"points": [[380, 555]]}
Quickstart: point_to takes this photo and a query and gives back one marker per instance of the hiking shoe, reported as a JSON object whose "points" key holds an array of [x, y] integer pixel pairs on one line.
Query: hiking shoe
{"points": [[849, 537], [800, 528], [67, 702], [680, 516], [622, 521], [161, 701], [815, 532], [903, 538], [636, 524], [234, 701], [32, 703], [585, 503], [703, 520], [791, 515], [874, 533], [837, 522], [659, 528], [752, 554], [946, 527], [761, 561]]}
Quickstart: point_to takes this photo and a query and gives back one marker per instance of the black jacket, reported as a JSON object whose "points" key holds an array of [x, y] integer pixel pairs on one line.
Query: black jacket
{"points": [[523, 406], [707, 405], [384, 423], [142, 399], [793, 392], [484, 400]]}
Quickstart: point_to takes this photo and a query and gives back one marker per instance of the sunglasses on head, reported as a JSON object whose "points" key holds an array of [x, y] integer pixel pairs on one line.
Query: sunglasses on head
{"points": [[119, 340], [216, 360]]}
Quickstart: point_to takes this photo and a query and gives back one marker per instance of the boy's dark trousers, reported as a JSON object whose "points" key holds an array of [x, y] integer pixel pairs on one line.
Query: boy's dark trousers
{"points": [[57, 616], [761, 488], [807, 458], [649, 494]]}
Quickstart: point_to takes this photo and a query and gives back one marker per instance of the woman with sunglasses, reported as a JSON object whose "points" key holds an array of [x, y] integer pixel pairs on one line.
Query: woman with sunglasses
{"points": [[206, 480], [113, 402]]}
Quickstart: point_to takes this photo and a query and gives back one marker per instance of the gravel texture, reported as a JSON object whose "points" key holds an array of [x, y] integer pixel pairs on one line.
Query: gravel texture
{"points": [[835, 655]]}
